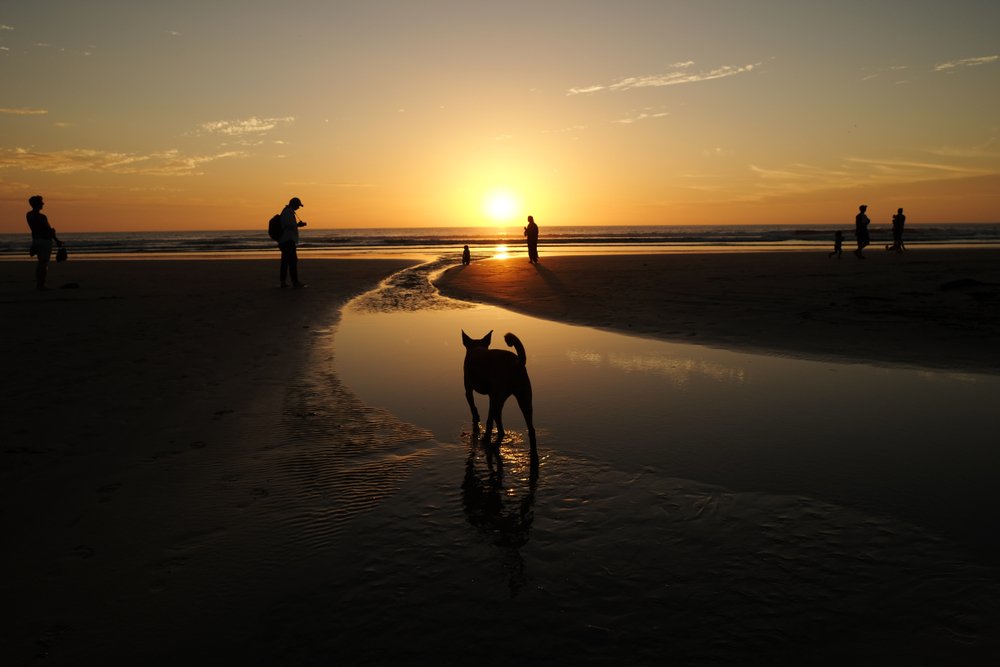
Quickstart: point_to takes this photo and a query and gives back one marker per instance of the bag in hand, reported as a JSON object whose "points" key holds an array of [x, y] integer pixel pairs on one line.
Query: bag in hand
{"points": [[61, 254]]}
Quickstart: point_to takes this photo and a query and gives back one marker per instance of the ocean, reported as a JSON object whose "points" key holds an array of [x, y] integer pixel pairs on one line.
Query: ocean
{"points": [[555, 240]]}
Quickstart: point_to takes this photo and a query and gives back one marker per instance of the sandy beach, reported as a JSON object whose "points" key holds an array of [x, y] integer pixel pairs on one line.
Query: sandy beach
{"points": [[186, 479], [931, 308], [135, 398]]}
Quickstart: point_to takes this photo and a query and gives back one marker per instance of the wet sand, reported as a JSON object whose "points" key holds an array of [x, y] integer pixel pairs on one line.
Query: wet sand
{"points": [[140, 405], [185, 478], [928, 308]]}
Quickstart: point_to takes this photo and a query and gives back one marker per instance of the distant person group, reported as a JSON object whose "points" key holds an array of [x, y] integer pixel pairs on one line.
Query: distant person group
{"points": [[863, 238], [283, 229]]}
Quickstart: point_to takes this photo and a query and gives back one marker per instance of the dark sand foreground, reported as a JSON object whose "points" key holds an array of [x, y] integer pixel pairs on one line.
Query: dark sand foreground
{"points": [[931, 308], [184, 480], [135, 406]]}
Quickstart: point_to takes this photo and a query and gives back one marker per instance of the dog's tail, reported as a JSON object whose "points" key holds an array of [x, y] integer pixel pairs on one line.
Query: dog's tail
{"points": [[514, 342]]}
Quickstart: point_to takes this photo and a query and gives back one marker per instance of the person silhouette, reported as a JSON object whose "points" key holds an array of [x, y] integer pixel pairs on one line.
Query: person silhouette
{"points": [[289, 241], [898, 220], [531, 233], [466, 255], [861, 223], [838, 244], [42, 236]]}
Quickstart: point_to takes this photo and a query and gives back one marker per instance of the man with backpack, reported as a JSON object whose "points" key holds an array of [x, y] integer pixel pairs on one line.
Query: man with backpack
{"points": [[288, 241]]}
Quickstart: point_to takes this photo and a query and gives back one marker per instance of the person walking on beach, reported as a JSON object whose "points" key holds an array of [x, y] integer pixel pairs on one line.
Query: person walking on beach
{"points": [[861, 223], [466, 256], [42, 236], [838, 244], [531, 233], [898, 221], [289, 241]]}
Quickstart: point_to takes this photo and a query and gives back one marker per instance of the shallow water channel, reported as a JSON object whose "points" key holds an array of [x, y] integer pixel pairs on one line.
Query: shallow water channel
{"points": [[704, 501], [918, 444]]}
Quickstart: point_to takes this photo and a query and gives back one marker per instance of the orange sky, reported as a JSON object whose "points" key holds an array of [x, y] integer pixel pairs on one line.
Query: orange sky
{"points": [[418, 114]]}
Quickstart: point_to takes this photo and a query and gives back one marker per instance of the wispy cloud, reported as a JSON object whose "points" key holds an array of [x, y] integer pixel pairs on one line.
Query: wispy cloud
{"points": [[988, 149], [4, 26], [22, 111], [854, 172], [914, 169], [74, 160], [642, 115], [245, 126], [965, 62], [564, 130], [324, 184], [678, 73]]}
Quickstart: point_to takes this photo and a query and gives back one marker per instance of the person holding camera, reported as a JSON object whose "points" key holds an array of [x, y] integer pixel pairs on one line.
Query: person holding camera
{"points": [[289, 241]]}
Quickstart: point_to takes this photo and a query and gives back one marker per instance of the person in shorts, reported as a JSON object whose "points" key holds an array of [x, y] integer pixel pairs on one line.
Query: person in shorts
{"points": [[42, 237]]}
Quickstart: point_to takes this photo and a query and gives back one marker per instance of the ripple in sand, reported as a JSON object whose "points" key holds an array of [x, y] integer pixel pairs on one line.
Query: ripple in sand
{"points": [[596, 565]]}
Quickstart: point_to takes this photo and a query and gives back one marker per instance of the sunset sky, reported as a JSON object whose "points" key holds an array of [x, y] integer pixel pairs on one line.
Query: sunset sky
{"points": [[210, 115]]}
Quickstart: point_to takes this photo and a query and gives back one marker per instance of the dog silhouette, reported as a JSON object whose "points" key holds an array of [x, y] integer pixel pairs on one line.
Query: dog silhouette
{"points": [[499, 374]]}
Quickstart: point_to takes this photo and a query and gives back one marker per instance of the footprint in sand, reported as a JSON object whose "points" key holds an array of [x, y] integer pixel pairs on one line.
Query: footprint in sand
{"points": [[108, 490], [83, 551]]}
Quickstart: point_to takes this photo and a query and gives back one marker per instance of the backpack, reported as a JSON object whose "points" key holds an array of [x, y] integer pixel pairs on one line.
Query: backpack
{"points": [[274, 228]]}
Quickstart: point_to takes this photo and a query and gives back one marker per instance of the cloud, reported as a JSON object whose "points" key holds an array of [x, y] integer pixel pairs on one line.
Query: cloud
{"points": [[854, 172], [642, 115], [564, 130], [965, 62], [245, 126], [988, 149], [74, 160], [677, 74], [914, 169], [23, 111], [6, 27]]}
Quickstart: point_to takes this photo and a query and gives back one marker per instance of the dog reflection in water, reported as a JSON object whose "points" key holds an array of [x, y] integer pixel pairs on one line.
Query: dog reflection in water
{"points": [[499, 374], [501, 512]]}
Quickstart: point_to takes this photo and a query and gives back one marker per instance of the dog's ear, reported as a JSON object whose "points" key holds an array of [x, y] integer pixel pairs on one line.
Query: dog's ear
{"points": [[465, 339], [487, 337]]}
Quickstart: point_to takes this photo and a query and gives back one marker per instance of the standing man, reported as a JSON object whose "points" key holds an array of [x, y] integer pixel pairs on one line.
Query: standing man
{"points": [[861, 222], [42, 236], [531, 233], [898, 221], [289, 241]]}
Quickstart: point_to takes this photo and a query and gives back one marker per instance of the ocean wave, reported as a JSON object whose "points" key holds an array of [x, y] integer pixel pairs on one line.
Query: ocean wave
{"points": [[445, 238]]}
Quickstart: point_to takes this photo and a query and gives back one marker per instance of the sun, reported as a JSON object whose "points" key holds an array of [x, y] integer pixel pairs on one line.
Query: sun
{"points": [[501, 206]]}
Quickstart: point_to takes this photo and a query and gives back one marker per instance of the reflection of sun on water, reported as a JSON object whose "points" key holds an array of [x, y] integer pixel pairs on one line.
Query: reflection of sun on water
{"points": [[501, 252]]}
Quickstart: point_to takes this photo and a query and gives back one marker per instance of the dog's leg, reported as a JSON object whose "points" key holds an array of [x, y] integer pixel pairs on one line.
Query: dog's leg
{"points": [[472, 406], [524, 402], [487, 436], [495, 410]]}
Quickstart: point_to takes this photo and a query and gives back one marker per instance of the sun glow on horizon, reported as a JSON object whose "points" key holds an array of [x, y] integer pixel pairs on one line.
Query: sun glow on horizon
{"points": [[501, 206], [681, 116]]}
